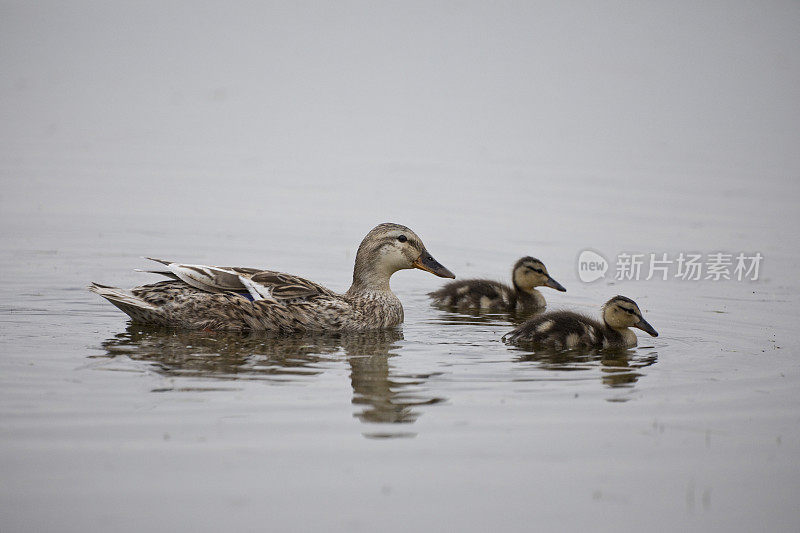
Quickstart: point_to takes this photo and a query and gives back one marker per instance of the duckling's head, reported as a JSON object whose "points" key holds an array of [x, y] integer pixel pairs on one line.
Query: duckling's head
{"points": [[387, 249], [529, 273], [621, 312]]}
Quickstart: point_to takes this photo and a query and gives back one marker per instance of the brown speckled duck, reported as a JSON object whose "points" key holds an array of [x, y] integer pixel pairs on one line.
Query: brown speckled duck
{"points": [[527, 274], [564, 330], [234, 298]]}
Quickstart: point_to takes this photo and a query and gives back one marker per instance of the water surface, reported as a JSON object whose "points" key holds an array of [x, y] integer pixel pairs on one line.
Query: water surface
{"points": [[277, 138]]}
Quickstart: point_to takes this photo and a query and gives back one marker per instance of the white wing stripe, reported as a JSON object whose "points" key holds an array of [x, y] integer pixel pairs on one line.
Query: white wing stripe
{"points": [[206, 278], [257, 291]]}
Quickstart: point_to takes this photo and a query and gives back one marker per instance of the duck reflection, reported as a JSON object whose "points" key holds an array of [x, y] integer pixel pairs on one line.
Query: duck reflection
{"points": [[450, 315], [221, 355], [619, 368], [385, 396]]}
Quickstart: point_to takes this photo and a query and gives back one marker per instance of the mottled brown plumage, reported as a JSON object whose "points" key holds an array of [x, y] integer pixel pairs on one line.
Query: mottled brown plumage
{"points": [[564, 330], [233, 298], [527, 274]]}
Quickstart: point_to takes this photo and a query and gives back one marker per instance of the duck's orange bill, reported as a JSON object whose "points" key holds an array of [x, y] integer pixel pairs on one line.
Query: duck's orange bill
{"points": [[427, 263]]}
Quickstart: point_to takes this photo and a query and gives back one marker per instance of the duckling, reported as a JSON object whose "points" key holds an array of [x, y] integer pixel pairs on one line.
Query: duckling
{"points": [[527, 274], [235, 298], [566, 330]]}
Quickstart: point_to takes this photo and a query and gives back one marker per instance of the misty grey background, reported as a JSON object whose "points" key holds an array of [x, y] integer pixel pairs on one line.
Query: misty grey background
{"points": [[276, 134], [107, 97]]}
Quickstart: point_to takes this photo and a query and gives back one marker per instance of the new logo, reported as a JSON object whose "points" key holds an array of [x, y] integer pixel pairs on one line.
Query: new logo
{"points": [[591, 266]]}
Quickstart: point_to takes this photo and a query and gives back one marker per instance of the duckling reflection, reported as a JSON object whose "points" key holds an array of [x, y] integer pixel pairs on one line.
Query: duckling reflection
{"points": [[618, 367], [466, 317], [386, 396]]}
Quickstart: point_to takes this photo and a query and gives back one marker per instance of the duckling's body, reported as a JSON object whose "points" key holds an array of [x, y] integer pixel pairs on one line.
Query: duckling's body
{"points": [[527, 274], [232, 298], [565, 330], [488, 295]]}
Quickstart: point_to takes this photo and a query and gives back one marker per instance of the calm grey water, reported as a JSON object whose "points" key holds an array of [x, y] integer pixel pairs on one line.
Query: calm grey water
{"points": [[277, 136]]}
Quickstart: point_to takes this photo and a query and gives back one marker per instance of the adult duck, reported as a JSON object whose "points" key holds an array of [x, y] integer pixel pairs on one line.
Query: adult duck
{"points": [[235, 298]]}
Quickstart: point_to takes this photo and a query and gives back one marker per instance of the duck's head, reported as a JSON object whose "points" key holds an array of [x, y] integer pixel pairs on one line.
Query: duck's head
{"points": [[530, 273], [621, 312], [389, 248]]}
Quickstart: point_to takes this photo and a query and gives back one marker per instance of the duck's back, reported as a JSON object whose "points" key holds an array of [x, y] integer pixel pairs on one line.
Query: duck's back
{"points": [[476, 294], [175, 303], [562, 330]]}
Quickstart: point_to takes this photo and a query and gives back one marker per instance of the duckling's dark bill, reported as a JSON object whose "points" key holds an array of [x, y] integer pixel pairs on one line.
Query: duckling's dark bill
{"points": [[645, 326], [553, 284], [427, 263]]}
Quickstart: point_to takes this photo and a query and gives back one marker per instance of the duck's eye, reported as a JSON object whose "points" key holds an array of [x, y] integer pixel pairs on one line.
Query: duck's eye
{"points": [[402, 238], [536, 270]]}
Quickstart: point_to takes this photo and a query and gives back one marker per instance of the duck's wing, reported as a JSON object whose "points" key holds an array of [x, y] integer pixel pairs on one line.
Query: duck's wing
{"points": [[280, 286], [205, 277], [261, 284]]}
